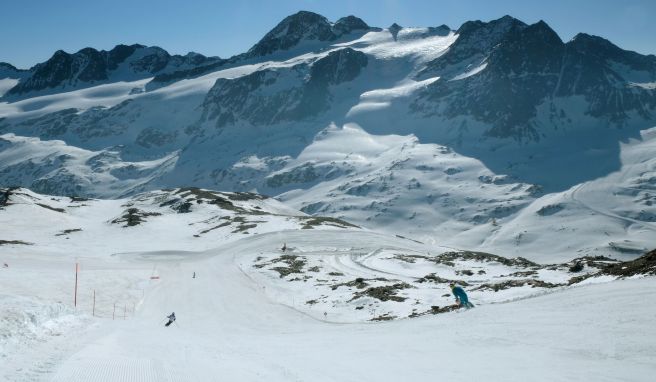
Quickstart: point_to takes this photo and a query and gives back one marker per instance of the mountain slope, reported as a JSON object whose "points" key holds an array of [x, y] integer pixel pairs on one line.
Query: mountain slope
{"points": [[88, 66], [485, 124]]}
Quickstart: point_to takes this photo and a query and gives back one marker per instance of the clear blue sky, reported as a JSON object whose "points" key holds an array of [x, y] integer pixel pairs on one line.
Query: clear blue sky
{"points": [[32, 30]]}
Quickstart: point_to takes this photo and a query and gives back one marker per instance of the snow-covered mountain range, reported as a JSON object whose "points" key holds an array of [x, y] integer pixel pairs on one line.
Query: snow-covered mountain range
{"points": [[496, 136]]}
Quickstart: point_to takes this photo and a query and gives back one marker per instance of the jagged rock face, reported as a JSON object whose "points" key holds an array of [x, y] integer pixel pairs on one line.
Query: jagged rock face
{"points": [[349, 24], [89, 66], [95, 123], [155, 60], [608, 77], [10, 71], [120, 53], [269, 96], [524, 67], [475, 40], [290, 31], [304, 26], [51, 73], [394, 29]]}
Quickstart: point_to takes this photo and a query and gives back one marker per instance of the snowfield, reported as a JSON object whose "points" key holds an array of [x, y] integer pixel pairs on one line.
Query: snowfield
{"points": [[245, 316]]}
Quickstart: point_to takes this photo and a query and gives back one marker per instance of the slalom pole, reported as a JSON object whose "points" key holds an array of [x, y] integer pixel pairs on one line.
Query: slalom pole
{"points": [[114, 312], [77, 266], [125, 308], [94, 303]]}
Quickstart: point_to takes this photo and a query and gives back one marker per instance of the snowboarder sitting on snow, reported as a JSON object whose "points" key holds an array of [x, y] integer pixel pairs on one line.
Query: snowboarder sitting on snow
{"points": [[171, 319], [461, 296]]}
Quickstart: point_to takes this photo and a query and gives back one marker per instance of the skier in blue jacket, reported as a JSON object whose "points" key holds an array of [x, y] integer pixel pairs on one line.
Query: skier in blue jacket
{"points": [[461, 296]]}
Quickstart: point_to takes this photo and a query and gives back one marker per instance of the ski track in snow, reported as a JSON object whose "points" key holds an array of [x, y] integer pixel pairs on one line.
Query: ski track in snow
{"points": [[609, 214]]}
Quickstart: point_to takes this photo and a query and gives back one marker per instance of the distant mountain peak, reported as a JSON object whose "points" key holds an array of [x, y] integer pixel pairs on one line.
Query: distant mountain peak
{"points": [[304, 26], [349, 24], [394, 29], [291, 30], [91, 66]]}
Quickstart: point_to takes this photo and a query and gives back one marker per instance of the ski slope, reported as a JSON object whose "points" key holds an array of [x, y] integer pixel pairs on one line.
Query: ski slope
{"points": [[230, 329]]}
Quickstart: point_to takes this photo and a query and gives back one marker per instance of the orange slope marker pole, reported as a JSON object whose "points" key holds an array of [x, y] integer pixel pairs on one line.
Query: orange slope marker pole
{"points": [[77, 267]]}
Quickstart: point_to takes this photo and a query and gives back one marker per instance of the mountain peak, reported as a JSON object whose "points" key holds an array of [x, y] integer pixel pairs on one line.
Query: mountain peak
{"points": [[8, 70], [349, 24], [502, 25], [543, 31], [394, 29], [602, 50], [584, 39], [303, 25]]}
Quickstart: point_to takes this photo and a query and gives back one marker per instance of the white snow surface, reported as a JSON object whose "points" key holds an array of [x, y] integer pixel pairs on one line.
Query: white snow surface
{"points": [[435, 195], [237, 321], [233, 327]]}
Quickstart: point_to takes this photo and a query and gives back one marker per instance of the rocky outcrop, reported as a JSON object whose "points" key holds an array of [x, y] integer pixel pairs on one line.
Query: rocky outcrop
{"points": [[503, 72], [290, 94], [304, 26], [89, 66]]}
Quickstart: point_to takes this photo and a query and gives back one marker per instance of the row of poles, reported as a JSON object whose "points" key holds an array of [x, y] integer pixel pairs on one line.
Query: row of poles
{"points": [[125, 306]]}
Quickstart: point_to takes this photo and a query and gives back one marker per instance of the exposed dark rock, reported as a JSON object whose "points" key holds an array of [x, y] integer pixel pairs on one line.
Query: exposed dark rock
{"points": [[358, 283], [384, 317], [439, 280], [311, 222], [5, 194], [294, 263], [301, 92], [549, 209], [134, 216], [68, 231], [515, 284], [643, 265], [394, 29], [291, 31], [56, 209], [348, 24], [17, 242], [529, 66], [89, 66], [79, 199], [577, 267], [384, 293]]}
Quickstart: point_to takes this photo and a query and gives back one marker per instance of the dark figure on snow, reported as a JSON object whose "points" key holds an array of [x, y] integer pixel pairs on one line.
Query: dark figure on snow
{"points": [[194, 276], [171, 319], [461, 296], [284, 247]]}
